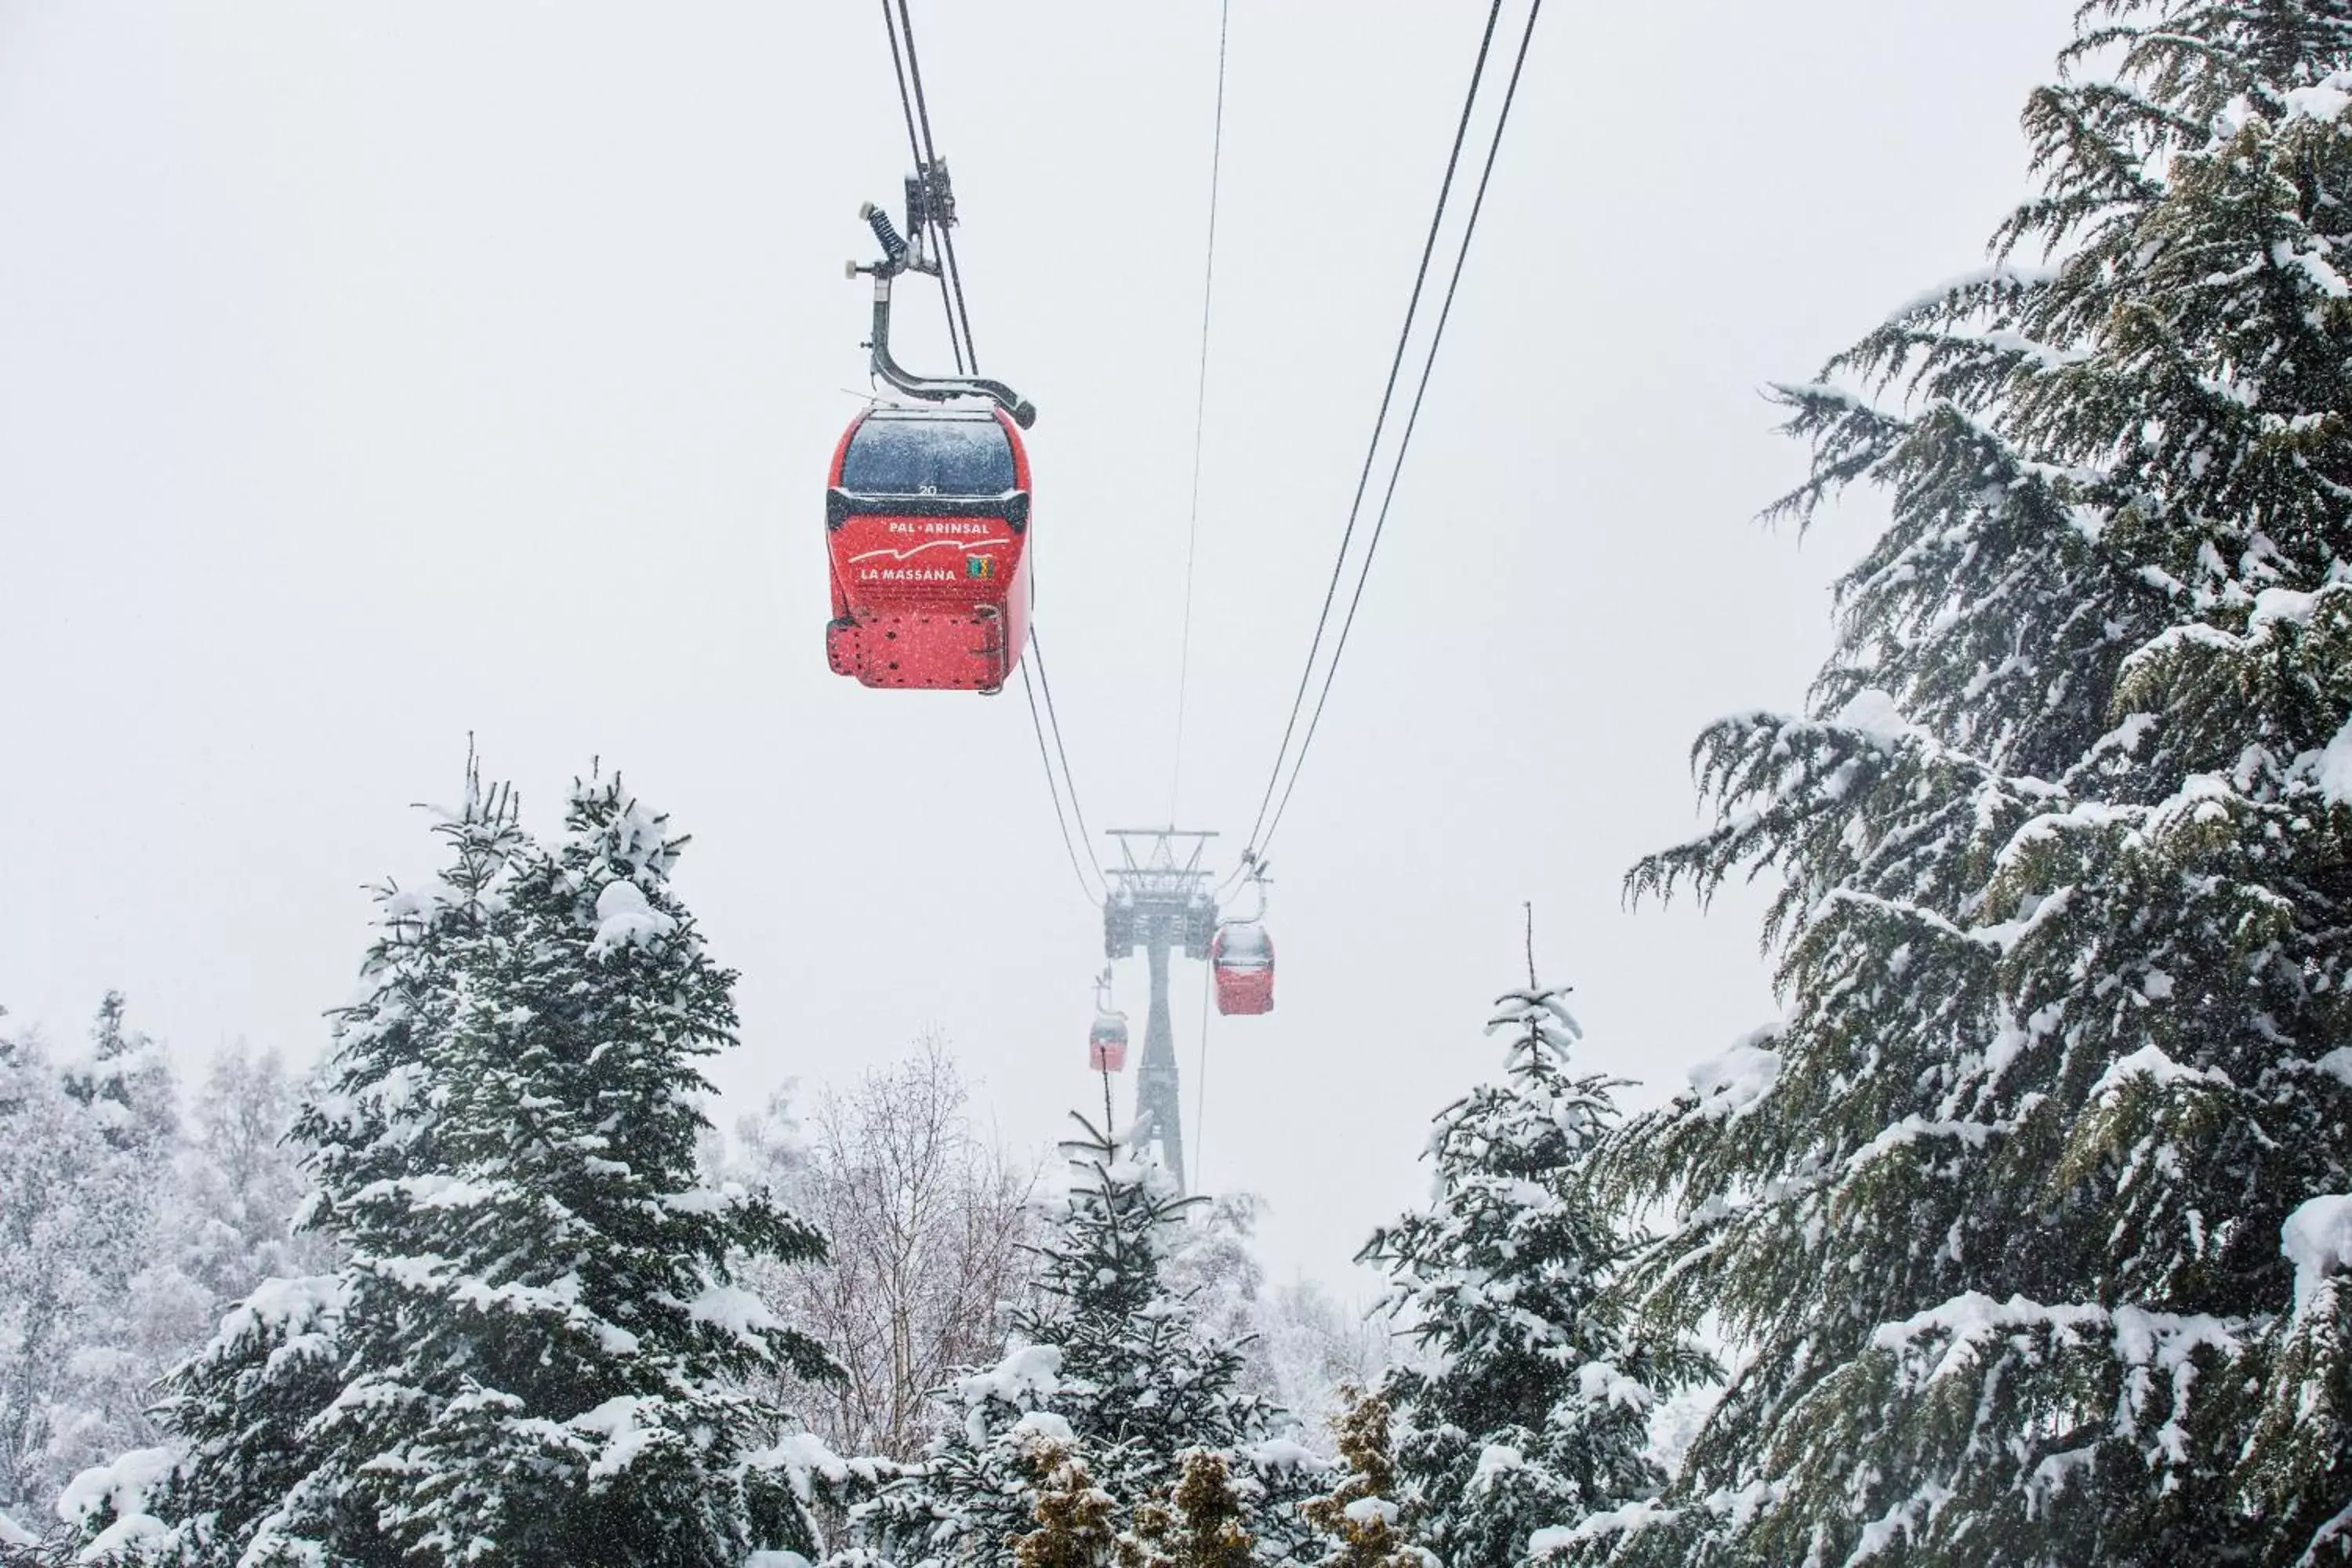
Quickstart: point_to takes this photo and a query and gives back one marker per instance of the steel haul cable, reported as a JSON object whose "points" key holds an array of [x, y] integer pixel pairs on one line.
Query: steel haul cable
{"points": [[915, 150], [1396, 364], [1274, 802], [1061, 821], [1045, 684], [931, 155], [916, 106], [1199, 411], [1413, 417]]}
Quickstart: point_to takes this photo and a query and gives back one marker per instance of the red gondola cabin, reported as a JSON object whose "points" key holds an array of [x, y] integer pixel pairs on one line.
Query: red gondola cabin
{"points": [[1107, 1043], [1241, 956], [927, 523]]}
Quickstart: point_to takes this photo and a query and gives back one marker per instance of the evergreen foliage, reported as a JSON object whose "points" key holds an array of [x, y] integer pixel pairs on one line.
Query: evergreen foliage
{"points": [[2062, 844], [1204, 1522], [536, 1348], [1106, 1361], [126, 1083], [1076, 1520], [20, 1548], [1356, 1520], [1530, 1407], [1137, 1377]]}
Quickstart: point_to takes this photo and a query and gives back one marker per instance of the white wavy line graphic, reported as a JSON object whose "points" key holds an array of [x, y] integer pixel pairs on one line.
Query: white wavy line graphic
{"points": [[966, 545]]}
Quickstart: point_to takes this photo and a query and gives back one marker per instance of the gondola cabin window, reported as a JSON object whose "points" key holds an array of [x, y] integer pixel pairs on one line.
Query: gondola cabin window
{"points": [[931, 453]]}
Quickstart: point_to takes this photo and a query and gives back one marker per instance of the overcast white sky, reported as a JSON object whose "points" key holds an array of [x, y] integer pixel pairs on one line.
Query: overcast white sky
{"points": [[371, 373]]}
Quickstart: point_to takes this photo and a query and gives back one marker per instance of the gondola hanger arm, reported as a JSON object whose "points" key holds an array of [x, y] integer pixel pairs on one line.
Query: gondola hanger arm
{"points": [[900, 254]]}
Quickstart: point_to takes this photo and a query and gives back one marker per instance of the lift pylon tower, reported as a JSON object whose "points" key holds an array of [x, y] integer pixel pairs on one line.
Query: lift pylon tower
{"points": [[1159, 901]]}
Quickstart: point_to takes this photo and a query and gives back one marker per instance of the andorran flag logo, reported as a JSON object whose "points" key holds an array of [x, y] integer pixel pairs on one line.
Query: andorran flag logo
{"points": [[980, 566]]}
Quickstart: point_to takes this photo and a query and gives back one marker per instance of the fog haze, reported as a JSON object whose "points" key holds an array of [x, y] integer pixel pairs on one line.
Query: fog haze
{"points": [[375, 375]]}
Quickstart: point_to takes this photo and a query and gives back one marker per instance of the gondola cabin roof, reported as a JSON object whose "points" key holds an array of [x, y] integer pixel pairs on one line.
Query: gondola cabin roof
{"points": [[1243, 944]]}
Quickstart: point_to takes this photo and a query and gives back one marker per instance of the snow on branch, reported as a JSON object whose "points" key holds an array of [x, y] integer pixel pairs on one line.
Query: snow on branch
{"points": [[1977, 287], [2318, 1239], [1541, 1017], [1727, 1086]]}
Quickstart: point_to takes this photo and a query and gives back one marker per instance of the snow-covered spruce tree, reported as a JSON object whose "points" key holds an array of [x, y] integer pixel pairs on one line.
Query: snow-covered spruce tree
{"points": [[1528, 1409], [537, 1350], [127, 1083], [243, 1462], [1106, 1361], [2011, 1211]]}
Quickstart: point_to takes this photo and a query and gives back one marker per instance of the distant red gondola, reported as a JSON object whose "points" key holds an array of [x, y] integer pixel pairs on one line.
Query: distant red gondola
{"points": [[1241, 956], [1107, 1044], [1107, 1041], [927, 523]]}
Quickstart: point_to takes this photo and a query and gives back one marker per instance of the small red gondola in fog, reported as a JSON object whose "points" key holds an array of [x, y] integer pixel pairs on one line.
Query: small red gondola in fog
{"points": [[1241, 956], [927, 521], [1107, 1041]]}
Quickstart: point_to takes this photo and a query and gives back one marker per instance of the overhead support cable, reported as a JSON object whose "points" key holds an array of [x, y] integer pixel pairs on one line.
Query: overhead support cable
{"points": [[1379, 423], [916, 106], [1199, 412], [899, 69], [1412, 418], [950, 275], [1054, 789], [922, 163], [1045, 682]]}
